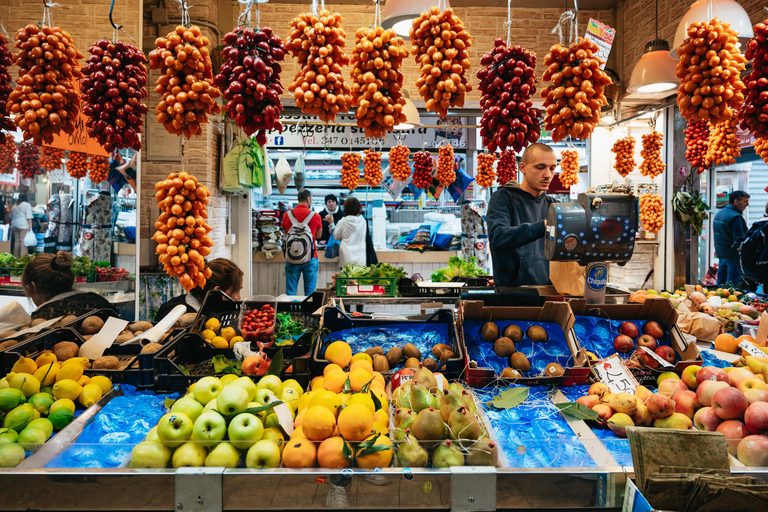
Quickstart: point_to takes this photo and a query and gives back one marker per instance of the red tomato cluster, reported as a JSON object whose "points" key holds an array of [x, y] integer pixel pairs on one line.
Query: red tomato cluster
{"points": [[259, 324]]}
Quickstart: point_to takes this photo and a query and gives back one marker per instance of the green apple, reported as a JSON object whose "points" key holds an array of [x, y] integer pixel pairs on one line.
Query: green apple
{"points": [[223, 456], [152, 436], [293, 384], [244, 430], [666, 375], [19, 417], [232, 400], [228, 379], [174, 429], [264, 454], [276, 435], [271, 420], [4, 383], [207, 389], [210, 406], [190, 455], [44, 424], [149, 455], [31, 438], [271, 382], [8, 435], [247, 384], [264, 396], [210, 428], [11, 455], [189, 406], [290, 397]]}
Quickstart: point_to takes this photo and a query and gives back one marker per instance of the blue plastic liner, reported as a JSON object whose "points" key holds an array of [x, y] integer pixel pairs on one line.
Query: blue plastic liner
{"points": [[555, 350], [534, 434], [709, 358], [107, 441], [597, 334]]}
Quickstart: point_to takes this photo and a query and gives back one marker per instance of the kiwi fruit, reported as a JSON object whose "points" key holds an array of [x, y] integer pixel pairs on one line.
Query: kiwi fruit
{"points": [[375, 351], [380, 363], [429, 364], [65, 350], [394, 355], [513, 332], [519, 362], [439, 349], [504, 347], [537, 334], [553, 370], [151, 347], [412, 362], [106, 363], [91, 325], [489, 332], [186, 320], [509, 373], [410, 350], [140, 326]]}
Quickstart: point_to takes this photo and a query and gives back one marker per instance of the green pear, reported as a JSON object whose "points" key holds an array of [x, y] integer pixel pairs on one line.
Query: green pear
{"points": [[420, 398], [483, 453], [410, 454], [446, 455], [426, 378], [449, 402], [463, 426]]}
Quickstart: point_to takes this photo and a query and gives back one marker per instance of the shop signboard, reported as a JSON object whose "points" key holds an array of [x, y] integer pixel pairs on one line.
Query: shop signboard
{"points": [[11, 179]]}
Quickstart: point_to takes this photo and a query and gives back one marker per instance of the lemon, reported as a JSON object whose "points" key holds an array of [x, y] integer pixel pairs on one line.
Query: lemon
{"points": [[70, 372], [84, 380], [235, 339], [208, 334], [41, 402], [90, 395], [26, 382], [67, 388], [103, 382], [213, 324], [62, 403], [24, 365], [219, 342], [46, 374], [45, 358], [4, 383], [82, 361], [228, 333]]}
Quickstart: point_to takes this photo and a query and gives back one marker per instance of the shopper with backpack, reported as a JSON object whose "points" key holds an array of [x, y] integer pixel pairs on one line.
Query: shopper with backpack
{"points": [[753, 255], [302, 227]]}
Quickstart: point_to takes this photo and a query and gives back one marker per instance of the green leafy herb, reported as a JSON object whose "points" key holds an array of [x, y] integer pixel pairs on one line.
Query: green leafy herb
{"points": [[287, 327], [458, 267], [82, 266], [276, 366], [690, 209], [510, 398], [578, 411], [384, 270]]}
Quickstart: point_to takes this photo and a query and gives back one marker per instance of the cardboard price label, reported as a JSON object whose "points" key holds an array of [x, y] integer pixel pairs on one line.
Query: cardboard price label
{"points": [[602, 35], [612, 372], [751, 349], [662, 362]]}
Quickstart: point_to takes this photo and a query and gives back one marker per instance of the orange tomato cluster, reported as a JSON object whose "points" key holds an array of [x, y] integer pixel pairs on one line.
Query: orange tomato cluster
{"points": [[182, 231], [372, 167], [569, 165], [506, 167], [651, 212], [98, 168], [696, 144], [723, 147], [28, 158], [441, 46], [188, 95], [709, 70], [573, 100], [50, 158], [398, 162], [624, 149], [317, 42], [350, 174], [45, 101], [7, 156], [652, 164], [6, 61], [761, 148], [485, 173], [445, 165], [77, 164], [377, 80], [422, 170]]}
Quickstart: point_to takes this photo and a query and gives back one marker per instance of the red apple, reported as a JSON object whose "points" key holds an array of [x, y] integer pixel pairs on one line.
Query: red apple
{"points": [[753, 383], [756, 395], [665, 352], [654, 329], [646, 358], [739, 375], [729, 403], [734, 431], [671, 386], [712, 373], [689, 376], [706, 419], [756, 418], [623, 344], [707, 390], [660, 406], [686, 403], [589, 400], [647, 341], [753, 451], [629, 329]]}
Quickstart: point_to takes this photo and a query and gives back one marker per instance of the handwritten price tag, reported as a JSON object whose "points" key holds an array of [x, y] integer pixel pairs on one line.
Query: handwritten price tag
{"points": [[615, 375], [751, 349]]}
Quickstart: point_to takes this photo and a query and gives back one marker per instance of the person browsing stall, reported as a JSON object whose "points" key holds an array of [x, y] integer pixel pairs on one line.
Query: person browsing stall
{"points": [[21, 222], [301, 245], [516, 221], [330, 216], [350, 232], [729, 228]]}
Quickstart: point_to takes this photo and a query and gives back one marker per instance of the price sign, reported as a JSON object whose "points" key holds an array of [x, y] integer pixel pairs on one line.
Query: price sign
{"points": [[662, 362], [78, 140], [615, 375], [752, 349], [602, 35]]}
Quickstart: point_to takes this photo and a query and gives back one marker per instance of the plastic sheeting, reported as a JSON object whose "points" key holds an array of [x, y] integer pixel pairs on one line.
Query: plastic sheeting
{"points": [[597, 334], [107, 441], [555, 350], [709, 358]]}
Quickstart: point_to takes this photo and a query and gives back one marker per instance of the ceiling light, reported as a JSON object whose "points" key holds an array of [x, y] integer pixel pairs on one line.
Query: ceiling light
{"points": [[727, 11], [654, 73], [412, 118], [399, 14]]}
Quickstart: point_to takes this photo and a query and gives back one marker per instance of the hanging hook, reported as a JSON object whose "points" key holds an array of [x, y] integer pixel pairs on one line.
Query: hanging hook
{"points": [[111, 21]]}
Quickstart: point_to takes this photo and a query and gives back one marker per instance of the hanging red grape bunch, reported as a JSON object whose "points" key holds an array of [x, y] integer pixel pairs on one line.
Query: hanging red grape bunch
{"points": [[6, 123]]}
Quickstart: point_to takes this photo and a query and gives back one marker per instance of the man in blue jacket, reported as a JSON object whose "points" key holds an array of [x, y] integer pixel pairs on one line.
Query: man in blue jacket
{"points": [[729, 229], [516, 221]]}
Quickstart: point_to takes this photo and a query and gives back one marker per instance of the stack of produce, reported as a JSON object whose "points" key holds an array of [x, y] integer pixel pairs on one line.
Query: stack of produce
{"points": [[250, 79], [652, 165], [45, 102], [574, 99], [458, 267], [7, 156], [6, 60], [723, 146], [186, 88], [754, 110], [350, 174], [372, 170], [422, 170], [317, 43], [398, 162], [113, 89], [28, 159], [50, 158], [506, 167], [98, 168], [507, 82], [624, 149], [485, 173], [441, 46], [77, 164], [697, 144], [182, 232], [569, 165], [651, 212], [445, 171]]}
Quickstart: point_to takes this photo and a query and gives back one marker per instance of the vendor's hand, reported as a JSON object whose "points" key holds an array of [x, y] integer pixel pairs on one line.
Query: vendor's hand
{"points": [[329, 218]]}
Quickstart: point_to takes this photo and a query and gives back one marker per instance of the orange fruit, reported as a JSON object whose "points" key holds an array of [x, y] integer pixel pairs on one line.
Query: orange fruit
{"points": [[316, 381], [726, 343], [330, 453], [299, 453], [379, 459], [379, 378], [355, 422], [335, 381], [361, 363], [327, 399], [332, 368], [318, 423], [298, 433], [363, 399], [339, 352], [299, 419], [358, 378]]}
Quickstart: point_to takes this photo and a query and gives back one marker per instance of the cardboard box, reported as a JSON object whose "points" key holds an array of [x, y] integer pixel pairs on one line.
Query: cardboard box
{"points": [[554, 312]]}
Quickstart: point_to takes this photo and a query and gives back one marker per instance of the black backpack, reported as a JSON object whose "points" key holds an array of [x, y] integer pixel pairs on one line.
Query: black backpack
{"points": [[753, 253]]}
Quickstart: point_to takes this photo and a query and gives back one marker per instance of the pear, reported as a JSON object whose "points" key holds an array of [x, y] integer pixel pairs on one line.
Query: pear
{"points": [[469, 401], [434, 401], [449, 402], [401, 414], [420, 398], [446, 455], [463, 426], [410, 454], [456, 387], [428, 426], [405, 424], [402, 395], [426, 378], [482, 453]]}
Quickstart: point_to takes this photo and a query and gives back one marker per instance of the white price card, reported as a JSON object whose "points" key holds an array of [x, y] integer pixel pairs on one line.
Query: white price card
{"points": [[661, 361], [612, 372], [752, 349], [602, 35]]}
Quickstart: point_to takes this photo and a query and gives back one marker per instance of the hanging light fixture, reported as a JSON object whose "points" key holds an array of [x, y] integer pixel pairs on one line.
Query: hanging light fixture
{"points": [[655, 71], [399, 14], [412, 118], [727, 11]]}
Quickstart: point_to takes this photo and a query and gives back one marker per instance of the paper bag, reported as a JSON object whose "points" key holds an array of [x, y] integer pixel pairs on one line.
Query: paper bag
{"points": [[701, 325], [568, 277], [13, 315]]}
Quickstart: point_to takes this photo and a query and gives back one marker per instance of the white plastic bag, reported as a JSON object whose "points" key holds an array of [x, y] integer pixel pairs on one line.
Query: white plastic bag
{"points": [[30, 240], [283, 174]]}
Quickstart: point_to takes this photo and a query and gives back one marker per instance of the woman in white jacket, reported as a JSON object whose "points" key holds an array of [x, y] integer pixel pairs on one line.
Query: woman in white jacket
{"points": [[350, 232]]}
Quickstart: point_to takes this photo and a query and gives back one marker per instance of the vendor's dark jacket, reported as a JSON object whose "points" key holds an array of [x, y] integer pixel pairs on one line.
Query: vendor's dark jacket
{"points": [[516, 232], [326, 227], [729, 229]]}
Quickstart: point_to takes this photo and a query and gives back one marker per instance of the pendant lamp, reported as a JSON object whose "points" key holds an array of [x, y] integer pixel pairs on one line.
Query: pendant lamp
{"points": [[727, 11], [399, 14], [655, 71], [412, 118]]}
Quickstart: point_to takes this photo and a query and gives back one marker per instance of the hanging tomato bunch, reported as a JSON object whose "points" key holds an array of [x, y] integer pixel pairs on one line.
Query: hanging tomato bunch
{"points": [[761, 148], [350, 172], [569, 165], [445, 165], [6, 60], [50, 158], [485, 173], [113, 87], [709, 71], [652, 164], [624, 149], [317, 42], [651, 212], [98, 168], [28, 159], [507, 83], [372, 167], [441, 46], [45, 102], [77, 164], [506, 167], [182, 231], [398, 162], [188, 95], [723, 147], [573, 100], [250, 79], [422, 170], [696, 144], [377, 80], [754, 110], [7, 156]]}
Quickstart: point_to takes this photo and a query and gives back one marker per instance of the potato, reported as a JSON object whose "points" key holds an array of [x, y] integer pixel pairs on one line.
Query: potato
{"points": [[91, 325], [106, 363], [87, 337], [65, 350], [7, 344], [122, 338], [137, 333], [66, 320], [186, 320], [126, 331], [140, 326], [151, 347], [6, 334], [37, 321]]}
